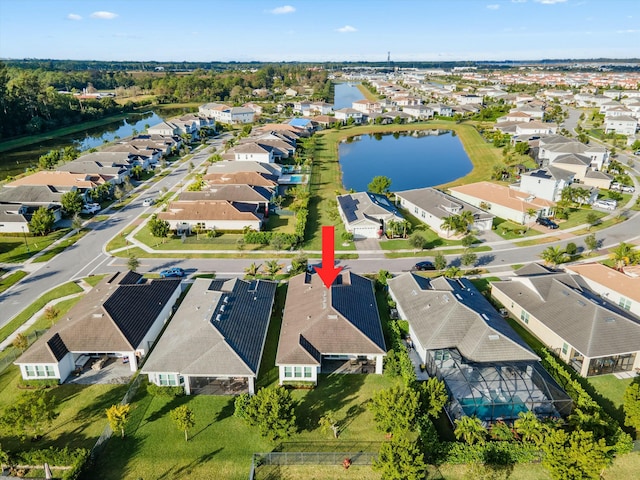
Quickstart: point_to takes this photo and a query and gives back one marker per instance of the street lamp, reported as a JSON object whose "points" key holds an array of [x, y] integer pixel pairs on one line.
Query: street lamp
{"points": [[26, 244]]}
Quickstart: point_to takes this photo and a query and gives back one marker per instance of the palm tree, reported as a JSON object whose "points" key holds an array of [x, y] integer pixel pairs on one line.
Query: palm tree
{"points": [[532, 213], [464, 221], [553, 256], [272, 267], [136, 171], [529, 428], [452, 272], [470, 429], [252, 270], [448, 224], [624, 255]]}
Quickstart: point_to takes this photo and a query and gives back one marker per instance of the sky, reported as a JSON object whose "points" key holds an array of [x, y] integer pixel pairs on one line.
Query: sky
{"points": [[319, 30]]}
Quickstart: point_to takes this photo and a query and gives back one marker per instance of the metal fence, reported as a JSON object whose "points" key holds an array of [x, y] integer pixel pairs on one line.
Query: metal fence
{"points": [[308, 458], [101, 443], [13, 353]]}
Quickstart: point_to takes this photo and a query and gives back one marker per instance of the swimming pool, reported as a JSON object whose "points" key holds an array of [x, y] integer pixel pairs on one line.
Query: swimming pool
{"points": [[487, 410]]}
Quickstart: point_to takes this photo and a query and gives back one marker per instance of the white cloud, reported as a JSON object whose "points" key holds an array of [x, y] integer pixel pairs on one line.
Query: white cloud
{"points": [[283, 10], [493, 6], [518, 1], [549, 2], [104, 15], [630, 30], [74, 16], [346, 29]]}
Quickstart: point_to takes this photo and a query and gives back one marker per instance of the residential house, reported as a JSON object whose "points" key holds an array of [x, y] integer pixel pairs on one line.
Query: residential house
{"points": [[167, 129], [546, 183], [144, 157], [528, 128], [62, 181], [489, 371], [586, 331], [504, 202], [366, 106], [325, 329], [257, 179], [321, 108], [211, 215], [366, 214], [15, 217], [618, 287], [420, 112], [441, 109], [515, 116], [432, 206], [622, 125], [254, 152], [303, 107], [553, 146], [225, 114], [244, 194], [119, 318], [345, 114], [225, 167], [215, 340]]}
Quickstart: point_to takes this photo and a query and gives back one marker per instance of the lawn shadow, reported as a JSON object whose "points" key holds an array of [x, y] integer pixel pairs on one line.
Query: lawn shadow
{"points": [[227, 410], [114, 460], [166, 408], [334, 391], [179, 472]]}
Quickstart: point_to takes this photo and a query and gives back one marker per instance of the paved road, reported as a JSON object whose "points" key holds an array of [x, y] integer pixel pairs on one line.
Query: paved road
{"points": [[87, 256]]}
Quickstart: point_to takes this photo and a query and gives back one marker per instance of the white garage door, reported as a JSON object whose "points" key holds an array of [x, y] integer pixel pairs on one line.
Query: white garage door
{"points": [[365, 232]]}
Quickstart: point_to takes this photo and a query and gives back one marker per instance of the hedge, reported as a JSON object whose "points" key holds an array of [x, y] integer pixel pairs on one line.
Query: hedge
{"points": [[76, 459]]}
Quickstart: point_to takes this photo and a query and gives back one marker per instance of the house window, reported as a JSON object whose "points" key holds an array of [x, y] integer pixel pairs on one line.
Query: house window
{"points": [[165, 380], [288, 372], [50, 370], [415, 209], [297, 372], [307, 372], [423, 215], [40, 372], [30, 371], [625, 303], [524, 316], [565, 348]]}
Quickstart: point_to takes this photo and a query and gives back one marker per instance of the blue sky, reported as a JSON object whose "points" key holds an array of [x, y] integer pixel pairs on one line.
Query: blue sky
{"points": [[319, 30]]}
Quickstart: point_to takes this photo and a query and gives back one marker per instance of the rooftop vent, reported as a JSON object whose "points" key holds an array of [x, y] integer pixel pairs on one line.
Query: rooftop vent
{"points": [[218, 317], [332, 317], [98, 315], [494, 337], [581, 303]]}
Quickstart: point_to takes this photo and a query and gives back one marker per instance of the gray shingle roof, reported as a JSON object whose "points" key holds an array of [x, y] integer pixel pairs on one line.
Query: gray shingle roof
{"points": [[440, 204], [591, 325], [341, 320], [367, 206], [446, 313], [219, 330]]}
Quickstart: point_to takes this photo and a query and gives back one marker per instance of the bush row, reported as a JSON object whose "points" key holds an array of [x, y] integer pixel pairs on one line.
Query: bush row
{"points": [[265, 238], [157, 390], [65, 457]]}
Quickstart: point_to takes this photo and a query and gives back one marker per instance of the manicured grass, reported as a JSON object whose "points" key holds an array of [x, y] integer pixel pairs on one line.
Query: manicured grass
{"points": [[61, 291], [221, 444], [431, 253], [60, 247], [281, 223], [14, 250], [120, 241], [610, 387], [268, 372], [578, 217], [11, 279], [80, 410], [510, 230]]}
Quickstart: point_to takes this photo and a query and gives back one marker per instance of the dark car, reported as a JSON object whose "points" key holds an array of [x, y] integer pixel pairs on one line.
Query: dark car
{"points": [[172, 272], [424, 266], [547, 222]]}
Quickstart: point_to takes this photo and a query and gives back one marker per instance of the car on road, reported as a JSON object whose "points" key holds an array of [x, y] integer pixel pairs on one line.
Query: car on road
{"points": [[90, 208], [547, 222], [147, 202], [172, 272], [425, 265]]}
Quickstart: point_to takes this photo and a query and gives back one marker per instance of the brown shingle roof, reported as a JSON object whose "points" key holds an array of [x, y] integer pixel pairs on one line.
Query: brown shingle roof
{"points": [[206, 210]]}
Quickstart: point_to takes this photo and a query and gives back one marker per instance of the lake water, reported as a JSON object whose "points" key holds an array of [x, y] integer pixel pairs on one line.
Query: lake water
{"points": [[417, 159], [16, 161], [345, 94]]}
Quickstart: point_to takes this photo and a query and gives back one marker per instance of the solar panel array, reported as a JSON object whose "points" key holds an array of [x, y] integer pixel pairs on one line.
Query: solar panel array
{"points": [[244, 318], [348, 206], [57, 347], [357, 303], [134, 308]]}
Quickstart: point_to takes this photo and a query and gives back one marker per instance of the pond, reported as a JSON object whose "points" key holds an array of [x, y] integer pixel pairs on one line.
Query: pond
{"points": [[345, 94], [412, 159], [13, 162]]}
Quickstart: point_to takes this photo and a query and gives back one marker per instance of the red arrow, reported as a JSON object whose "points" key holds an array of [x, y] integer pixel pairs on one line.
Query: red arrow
{"points": [[328, 272]]}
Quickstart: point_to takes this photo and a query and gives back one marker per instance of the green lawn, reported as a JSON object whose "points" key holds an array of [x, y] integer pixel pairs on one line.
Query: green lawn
{"points": [[61, 291], [578, 216], [60, 247], [222, 445], [11, 279], [13, 249], [510, 230], [80, 410]]}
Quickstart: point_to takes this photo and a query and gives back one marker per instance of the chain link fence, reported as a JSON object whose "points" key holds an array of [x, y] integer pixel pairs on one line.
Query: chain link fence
{"points": [[308, 458], [11, 352]]}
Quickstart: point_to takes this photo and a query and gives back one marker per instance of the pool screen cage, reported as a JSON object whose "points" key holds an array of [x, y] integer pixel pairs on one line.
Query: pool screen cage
{"points": [[497, 391]]}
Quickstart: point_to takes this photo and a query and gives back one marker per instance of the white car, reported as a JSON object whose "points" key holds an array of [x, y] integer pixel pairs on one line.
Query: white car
{"points": [[606, 204], [89, 208], [147, 202]]}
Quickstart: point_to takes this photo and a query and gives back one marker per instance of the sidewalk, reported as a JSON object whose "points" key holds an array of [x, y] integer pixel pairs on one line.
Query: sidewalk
{"points": [[26, 325]]}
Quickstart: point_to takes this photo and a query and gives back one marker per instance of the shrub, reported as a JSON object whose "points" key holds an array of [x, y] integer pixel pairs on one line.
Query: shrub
{"points": [[157, 390], [39, 384]]}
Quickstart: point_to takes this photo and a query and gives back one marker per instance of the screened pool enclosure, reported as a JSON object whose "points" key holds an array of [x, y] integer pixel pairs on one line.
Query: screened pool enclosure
{"points": [[497, 391]]}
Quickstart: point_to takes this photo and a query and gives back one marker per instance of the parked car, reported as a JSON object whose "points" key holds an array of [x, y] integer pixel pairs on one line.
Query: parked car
{"points": [[606, 204], [547, 222], [425, 265], [172, 272], [627, 189], [147, 202], [90, 208]]}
